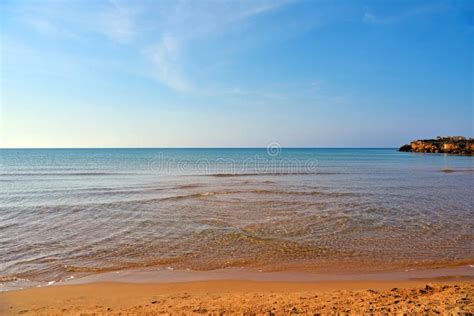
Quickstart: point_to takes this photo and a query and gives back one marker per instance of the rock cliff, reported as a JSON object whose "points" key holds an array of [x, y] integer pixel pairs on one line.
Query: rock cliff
{"points": [[447, 144]]}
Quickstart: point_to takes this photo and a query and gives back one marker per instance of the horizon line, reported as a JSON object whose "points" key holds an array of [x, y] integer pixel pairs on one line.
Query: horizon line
{"points": [[362, 147]]}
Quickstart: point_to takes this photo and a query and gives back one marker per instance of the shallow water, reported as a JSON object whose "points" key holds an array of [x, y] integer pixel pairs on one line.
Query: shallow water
{"points": [[65, 212]]}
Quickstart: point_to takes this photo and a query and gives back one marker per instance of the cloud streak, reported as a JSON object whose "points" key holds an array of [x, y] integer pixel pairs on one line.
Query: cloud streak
{"points": [[117, 22], [165, 57], [370, 17], [190, 20], [160, 33]]}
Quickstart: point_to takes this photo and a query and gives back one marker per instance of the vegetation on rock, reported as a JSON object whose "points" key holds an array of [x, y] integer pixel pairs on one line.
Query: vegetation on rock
{"points": [[442, 144]]}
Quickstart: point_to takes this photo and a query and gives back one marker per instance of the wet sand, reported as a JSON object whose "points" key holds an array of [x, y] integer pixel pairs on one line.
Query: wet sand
{"points": [[226, 297]]}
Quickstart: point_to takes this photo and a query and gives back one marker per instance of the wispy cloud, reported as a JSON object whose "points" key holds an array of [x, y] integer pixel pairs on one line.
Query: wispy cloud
{"points": [[412, 12], [184, 21], [161, 33], [117, 22], [165, 57], [49, 28]]}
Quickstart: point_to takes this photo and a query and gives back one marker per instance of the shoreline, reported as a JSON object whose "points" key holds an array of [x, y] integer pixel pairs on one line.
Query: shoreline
{"points": [[224, 297], [163, 274], [238, 291], [170, 275]]}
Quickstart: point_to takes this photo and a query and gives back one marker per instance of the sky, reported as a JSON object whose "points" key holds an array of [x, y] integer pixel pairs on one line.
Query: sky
{"points": [[234, 73]]}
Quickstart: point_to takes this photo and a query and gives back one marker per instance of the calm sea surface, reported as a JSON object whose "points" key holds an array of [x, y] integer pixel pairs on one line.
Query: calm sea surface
{"points": [[66, 212]]}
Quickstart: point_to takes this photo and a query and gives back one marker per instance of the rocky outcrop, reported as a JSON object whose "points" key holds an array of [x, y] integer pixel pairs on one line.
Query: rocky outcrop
{"points": [[449, 145]]}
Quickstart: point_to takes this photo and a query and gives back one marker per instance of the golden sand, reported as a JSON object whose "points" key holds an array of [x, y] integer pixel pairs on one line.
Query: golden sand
{"points": [[245, 297]]}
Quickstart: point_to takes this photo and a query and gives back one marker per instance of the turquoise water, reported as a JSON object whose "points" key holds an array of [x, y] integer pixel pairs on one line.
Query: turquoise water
{"points": [[65, 212]]}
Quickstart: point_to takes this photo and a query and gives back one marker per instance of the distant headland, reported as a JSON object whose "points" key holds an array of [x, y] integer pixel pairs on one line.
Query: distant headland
{"points": [[458, 145]]}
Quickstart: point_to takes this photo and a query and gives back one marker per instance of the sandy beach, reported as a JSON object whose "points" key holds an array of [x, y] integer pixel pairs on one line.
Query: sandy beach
{"points": [[236, 157], [228, 297]]}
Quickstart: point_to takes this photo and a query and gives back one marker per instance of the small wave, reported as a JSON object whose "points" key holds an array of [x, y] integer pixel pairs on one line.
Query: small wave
{"points": [[6, 226], [72, 208], [123, 192], [447, 170], [63, 174], [7, 279], [214, 222], [314, 193], [188, 186], [194, 195], [95, 190], [226, 175], [152, 262], [258, 191]]}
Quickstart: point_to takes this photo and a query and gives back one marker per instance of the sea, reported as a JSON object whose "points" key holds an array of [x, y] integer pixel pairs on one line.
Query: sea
{"points": [[66, 213]]}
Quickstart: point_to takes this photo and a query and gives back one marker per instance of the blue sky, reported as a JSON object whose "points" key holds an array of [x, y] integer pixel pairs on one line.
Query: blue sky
{"points": [[234, 73]]}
